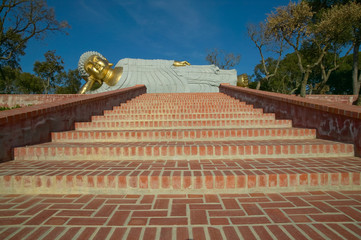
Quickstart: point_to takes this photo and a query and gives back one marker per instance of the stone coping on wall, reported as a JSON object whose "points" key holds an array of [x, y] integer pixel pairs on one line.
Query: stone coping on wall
{"points": [[347, 99], [23, 100]]}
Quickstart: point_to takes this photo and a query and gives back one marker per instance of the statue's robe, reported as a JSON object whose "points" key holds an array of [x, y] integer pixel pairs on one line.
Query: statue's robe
{"points": [[160, 76]]}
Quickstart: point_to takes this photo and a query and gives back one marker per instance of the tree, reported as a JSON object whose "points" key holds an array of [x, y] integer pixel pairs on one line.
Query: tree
{"points": [[341, 80], [27, 83], [8, 75], [71, 82], [262, 39], [48, 70], [347, 15], [310, 35], [13, 81], [293, 24], [22, 20], [286, 80], [222, 59]]}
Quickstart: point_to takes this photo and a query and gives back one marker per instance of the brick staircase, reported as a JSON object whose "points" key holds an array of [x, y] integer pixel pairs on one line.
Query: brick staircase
{"points": [[191, 166]]}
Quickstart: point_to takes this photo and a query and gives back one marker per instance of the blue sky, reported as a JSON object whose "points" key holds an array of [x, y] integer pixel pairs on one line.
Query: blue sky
{"points": [[153, 29]]}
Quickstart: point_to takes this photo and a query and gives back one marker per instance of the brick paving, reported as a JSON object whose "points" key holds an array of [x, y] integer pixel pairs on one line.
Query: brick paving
{"points": [[182, 166], [289, 215]]}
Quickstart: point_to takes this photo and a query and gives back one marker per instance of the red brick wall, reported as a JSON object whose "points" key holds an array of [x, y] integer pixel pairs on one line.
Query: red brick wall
{"points": [[34, 124], [11, 100], [333, 121]]}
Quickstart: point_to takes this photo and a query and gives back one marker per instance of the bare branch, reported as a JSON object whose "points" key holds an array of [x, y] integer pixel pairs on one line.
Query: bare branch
{"points": [[22, 20]]}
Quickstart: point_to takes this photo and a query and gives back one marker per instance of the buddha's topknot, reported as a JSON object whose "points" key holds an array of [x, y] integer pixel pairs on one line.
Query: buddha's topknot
{"points": [[83, 58]]}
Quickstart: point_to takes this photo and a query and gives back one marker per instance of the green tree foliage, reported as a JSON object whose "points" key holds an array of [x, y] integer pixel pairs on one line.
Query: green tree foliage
{"points": [[28, 83], [7, 77], [22, 20], [321, 5], [317, 40], [294, 24], [50, 78], [48, 71], [222, 59], [286, 80], [71, 82], [345, 15], [14, 81], [341, 80]]}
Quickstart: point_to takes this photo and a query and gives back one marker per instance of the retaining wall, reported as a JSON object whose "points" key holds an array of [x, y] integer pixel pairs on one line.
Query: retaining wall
{"points": [[34, 124], [333, 121]]}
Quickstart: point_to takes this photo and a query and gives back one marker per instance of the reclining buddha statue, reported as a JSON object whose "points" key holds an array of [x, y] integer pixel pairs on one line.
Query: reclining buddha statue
{"points": [[159, 76]]}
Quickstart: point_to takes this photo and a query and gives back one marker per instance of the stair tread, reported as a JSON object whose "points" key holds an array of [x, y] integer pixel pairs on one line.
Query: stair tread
{"points": [[192, 130], [251, 166], [191, 143]]}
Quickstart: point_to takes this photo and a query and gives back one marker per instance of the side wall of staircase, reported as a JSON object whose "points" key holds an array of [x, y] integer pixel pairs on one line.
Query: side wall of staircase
{"points": [[34, 124], [333, 121]]}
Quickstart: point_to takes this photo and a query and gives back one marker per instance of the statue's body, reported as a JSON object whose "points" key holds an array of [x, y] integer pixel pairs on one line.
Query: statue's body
{"points": [[160, 76]]}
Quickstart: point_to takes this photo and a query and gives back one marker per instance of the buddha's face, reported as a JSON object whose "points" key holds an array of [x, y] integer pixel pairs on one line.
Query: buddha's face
{"points": [[97, 67]]}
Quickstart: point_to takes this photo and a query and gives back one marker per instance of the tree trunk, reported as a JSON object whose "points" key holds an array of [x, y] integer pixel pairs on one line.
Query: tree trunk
{"points": [[258, 85], [358, 101], [304, 83], [355, 82]]}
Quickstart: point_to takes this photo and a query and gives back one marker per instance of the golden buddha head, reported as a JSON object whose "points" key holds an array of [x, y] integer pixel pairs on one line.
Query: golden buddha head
{"points": [[97, 67], [94, 67]]}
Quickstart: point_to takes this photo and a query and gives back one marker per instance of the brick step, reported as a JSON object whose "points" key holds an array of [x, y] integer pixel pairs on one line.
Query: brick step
{"points": [[192, 176], [227, 102], [186, 108], [180, 111], [286, 215], [182, 116], [183, 150], [186, 103], [181, 106], [184, 99], [180, 124], [191, 106], [185, 135], [183, 95]]}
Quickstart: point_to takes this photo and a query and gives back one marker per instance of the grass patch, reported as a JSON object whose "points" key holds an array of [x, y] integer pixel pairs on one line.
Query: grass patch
{"points": [[9, 108]]}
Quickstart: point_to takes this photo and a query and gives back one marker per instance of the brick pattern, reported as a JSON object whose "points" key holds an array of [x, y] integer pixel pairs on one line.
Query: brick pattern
{"points": [[334, 121], [180, 116], [184, 134], [183, 116], [297, 215], [331, 107], [250, 175], [174, 124], [34, 124], [221, 186], [184, 150]]}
